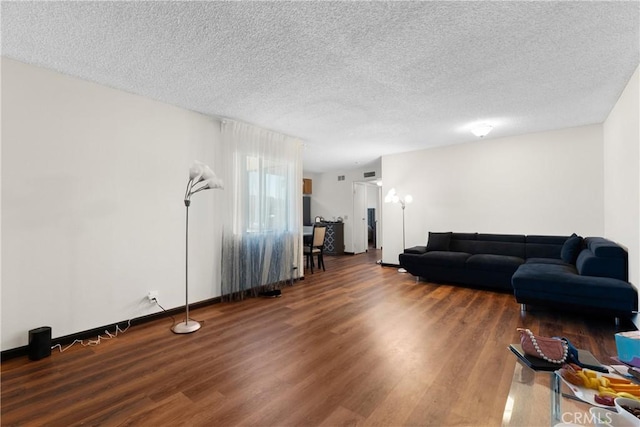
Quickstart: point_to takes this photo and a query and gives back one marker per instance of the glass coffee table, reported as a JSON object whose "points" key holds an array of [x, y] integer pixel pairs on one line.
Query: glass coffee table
{"points": [[540, 398]]}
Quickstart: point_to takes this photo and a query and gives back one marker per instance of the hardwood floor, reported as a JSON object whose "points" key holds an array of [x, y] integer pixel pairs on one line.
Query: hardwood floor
{"points": [[358, 344]]}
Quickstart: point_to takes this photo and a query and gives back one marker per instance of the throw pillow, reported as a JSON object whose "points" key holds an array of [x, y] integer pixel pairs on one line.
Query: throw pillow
{"points": [[438, 241], [571, 248]]}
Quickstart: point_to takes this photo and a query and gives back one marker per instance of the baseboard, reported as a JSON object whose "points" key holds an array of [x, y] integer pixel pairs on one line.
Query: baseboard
{"points": [[92, 333], [14, 352]]}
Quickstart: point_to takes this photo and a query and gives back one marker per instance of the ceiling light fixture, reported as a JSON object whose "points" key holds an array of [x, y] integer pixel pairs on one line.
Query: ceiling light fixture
{"points": [[481, 130]]}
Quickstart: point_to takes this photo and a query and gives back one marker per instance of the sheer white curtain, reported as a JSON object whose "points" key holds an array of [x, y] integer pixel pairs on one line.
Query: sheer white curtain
{"points": [[263, 203]]}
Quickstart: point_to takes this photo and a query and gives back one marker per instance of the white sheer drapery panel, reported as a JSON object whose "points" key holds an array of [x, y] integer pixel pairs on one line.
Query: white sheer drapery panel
{"points": [[261, 241]]}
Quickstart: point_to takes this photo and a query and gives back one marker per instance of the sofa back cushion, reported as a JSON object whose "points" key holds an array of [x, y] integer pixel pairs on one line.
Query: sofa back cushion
{"points": [[605, 248], [462, 242], [602, 258], [492, 244], [505, 238], [439, 241], [500, 248], [544, 246]]}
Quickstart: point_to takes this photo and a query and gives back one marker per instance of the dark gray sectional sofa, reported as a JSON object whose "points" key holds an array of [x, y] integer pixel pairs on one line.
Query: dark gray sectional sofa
{"points": [[563, 271]]}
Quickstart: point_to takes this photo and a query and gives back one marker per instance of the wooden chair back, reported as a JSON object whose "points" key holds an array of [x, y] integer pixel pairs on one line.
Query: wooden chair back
{"points": [[319, 232]]}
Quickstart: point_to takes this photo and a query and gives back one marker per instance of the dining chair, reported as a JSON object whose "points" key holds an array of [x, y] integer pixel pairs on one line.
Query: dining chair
{"points": [[316, 247]]}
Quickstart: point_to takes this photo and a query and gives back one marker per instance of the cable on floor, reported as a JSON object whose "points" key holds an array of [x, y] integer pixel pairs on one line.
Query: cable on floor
{"points": [[98, 340]]}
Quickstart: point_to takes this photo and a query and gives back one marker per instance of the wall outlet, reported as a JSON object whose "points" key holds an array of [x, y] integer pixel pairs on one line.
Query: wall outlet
{"points": [[152, 295]]}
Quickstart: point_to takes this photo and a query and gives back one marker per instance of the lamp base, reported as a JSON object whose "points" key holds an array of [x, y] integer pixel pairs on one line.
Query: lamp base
{"points": [[186, 327]]}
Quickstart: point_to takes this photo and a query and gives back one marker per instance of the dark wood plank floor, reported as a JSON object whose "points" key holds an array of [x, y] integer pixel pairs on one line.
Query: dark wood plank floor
{"points": [[359, 344]]}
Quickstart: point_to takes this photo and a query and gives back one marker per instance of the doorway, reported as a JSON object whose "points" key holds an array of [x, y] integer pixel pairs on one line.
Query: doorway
{"points": [[372, 224], [359, 217], [366, 214]]}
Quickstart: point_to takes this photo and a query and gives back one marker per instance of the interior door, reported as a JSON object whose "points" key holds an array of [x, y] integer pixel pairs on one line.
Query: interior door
{"points": [[359, 217]]}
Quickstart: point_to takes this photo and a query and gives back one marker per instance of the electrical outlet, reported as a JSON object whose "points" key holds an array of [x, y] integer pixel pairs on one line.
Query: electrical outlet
{"points": [[152, 295]]}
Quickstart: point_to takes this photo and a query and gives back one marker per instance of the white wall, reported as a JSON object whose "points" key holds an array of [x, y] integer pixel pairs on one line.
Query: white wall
{"points": [[332, 198], [621, 133], [92, 215], [544, 183]]}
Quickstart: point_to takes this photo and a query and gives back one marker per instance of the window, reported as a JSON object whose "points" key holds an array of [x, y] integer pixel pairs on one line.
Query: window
{"points": [[261, 234], [268, 197]]}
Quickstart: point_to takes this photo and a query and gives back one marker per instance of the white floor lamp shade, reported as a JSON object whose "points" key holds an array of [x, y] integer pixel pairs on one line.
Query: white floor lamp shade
{"points": [[201, 177], [392, 197]]}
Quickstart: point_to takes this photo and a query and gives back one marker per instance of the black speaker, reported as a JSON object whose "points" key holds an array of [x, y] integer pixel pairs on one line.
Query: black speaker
{"points": [[40, 343]]}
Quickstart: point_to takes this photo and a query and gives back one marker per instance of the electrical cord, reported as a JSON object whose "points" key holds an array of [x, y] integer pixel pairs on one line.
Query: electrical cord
{"points": [[163, 309], [172, 318], [98, 340]]}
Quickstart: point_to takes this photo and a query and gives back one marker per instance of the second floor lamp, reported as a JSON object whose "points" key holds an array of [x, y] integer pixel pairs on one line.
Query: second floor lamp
{"points": [[393, 197]]}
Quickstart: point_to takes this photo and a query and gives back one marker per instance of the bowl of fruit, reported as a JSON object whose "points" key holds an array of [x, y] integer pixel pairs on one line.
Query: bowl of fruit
{"points": [[629, 409]]}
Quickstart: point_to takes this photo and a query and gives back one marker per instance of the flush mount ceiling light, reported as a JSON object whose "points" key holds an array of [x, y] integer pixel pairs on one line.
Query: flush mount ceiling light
{"points": [[481, 129]]}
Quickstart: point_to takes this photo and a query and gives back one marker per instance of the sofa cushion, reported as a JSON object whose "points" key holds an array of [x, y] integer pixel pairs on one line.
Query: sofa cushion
{"points": [[588, 264], [562, 281], [571, 248], [512, 238], [547, 271], [497, 248], [544, 246], [535, 276], [463, 242], [546, 240], [488, 247], [445, 259], [439, 241], [605, 248], [416, 250], [494, 262], [464, 236], [546, 261]]}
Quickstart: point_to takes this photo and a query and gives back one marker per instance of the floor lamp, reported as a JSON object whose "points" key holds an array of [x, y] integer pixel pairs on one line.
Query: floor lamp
{"points": [[392, 197], [201, 177]]}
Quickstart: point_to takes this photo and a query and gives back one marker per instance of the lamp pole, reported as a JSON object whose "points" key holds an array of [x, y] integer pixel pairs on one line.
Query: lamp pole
{"points": [[186, 261], [188, 325], [404, 245]]}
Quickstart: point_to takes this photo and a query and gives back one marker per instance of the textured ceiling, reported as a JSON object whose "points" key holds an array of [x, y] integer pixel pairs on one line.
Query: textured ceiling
{"points": [[354, 80]]}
